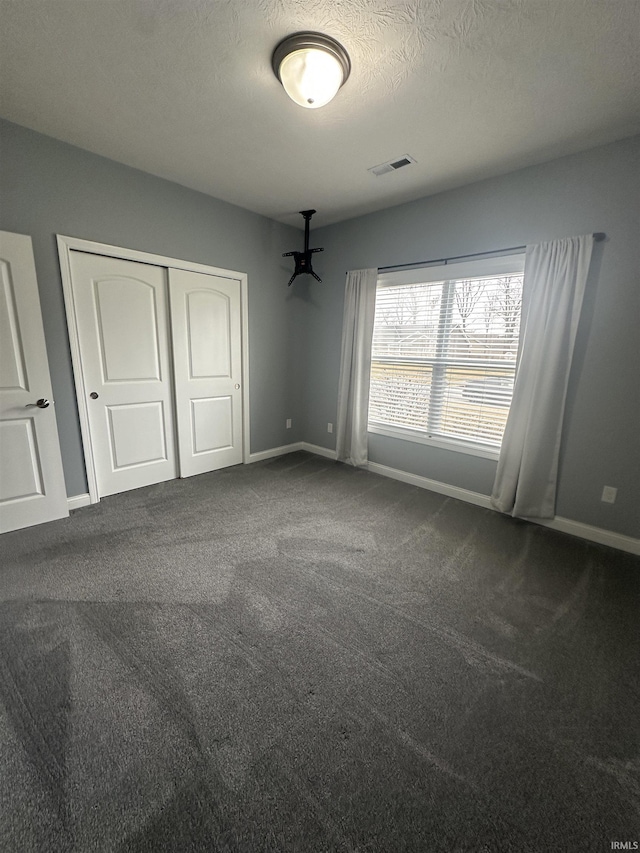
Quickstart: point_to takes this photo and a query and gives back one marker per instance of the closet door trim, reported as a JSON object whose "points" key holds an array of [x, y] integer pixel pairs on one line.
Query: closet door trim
{"points": [[65, 246]]}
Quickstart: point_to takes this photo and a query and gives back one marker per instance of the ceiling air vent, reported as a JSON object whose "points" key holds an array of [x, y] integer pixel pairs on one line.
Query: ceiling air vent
{"points": [[392, 165]]}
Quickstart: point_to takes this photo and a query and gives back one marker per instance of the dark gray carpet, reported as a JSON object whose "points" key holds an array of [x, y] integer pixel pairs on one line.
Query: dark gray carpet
{"points": [[299, 656]]}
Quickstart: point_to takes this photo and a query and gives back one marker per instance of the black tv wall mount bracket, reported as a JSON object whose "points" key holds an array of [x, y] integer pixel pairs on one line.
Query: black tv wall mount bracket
{"points": [[303, 259]]}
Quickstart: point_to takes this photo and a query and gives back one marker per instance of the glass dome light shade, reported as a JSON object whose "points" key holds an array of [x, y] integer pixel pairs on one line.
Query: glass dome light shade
{"points": [[311, 77], [311, 68]]}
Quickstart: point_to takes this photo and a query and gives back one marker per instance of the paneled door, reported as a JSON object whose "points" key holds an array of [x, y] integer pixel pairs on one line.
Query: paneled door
{"points": [[32, 488], [205, 323], [121, 314]]}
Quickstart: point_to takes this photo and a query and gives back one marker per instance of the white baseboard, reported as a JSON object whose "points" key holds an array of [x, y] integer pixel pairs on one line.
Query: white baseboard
{"points": [[292, 448], [275, 451], [77, 501], [592, 534], [432, 485], [319, 451], [563, 525]]}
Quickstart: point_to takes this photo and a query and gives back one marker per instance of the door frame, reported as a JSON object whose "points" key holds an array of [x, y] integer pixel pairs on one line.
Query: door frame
{"points": [[45, 498], [68, 244]]}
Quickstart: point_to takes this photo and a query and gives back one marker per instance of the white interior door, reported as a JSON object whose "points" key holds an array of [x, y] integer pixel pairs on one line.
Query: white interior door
{"points": [[121, 314], [207, 355], [32, 488]]}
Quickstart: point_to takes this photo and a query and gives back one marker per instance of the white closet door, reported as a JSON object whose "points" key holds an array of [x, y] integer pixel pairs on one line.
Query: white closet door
{"points": [[122, 325], [206, 328], [32, 488]]}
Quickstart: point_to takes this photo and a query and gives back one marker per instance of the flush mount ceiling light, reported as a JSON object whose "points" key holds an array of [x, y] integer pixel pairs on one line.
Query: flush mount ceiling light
{"points": [[311, 67]]}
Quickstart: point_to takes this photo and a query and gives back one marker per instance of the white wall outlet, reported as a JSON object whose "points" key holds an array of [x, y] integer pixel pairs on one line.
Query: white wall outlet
{"points": [[609, 495], [329, 427], [288, 423]]}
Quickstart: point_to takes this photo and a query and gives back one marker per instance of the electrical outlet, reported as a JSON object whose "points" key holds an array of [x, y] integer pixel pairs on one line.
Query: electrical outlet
{"points": [[609, 495], [288, 423], [329, 427]]}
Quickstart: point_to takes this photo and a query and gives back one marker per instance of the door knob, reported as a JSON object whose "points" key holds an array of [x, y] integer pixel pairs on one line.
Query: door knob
{"points": [[42, 403], [237, 387], [94, 395]]}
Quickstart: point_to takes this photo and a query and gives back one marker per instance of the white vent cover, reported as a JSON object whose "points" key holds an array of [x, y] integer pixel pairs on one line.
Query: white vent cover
{"points": [[392, 165]]}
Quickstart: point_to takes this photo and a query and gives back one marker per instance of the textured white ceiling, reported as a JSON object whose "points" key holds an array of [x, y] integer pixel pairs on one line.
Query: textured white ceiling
{"points": [[184, 89]]}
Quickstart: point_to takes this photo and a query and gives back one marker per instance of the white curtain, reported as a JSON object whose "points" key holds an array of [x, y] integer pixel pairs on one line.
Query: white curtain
{"points": [[355, 366], [555, 274]]}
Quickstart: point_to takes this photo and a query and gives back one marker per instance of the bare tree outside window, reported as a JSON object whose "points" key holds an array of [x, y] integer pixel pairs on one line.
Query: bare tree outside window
{"points": [[467, 294], [443, 356], [508, 306]]}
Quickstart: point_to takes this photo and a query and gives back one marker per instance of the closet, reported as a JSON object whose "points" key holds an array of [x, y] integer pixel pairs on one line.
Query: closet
{"points": [[158, 358]]}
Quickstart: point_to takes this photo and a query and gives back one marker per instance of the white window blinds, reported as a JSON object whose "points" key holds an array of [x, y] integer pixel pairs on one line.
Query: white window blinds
{"points": [[444, 356]]}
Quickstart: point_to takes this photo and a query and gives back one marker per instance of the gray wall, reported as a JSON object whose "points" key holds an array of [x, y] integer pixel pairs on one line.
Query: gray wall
{"points": [[49, 188], [598, 190]]}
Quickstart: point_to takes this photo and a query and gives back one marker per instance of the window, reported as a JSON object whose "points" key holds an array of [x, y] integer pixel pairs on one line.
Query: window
{"points": [[445, 345]]}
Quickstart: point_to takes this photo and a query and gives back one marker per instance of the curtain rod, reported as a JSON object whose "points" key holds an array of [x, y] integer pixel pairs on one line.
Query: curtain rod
{"points": [[598, 237]]}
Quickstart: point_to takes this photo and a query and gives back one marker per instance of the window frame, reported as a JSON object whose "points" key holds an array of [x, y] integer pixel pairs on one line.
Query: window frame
{"points": [[483, 267]]}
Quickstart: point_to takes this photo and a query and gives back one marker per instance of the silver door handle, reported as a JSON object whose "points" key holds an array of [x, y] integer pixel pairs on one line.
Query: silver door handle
{"points": [[42, 403]]}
